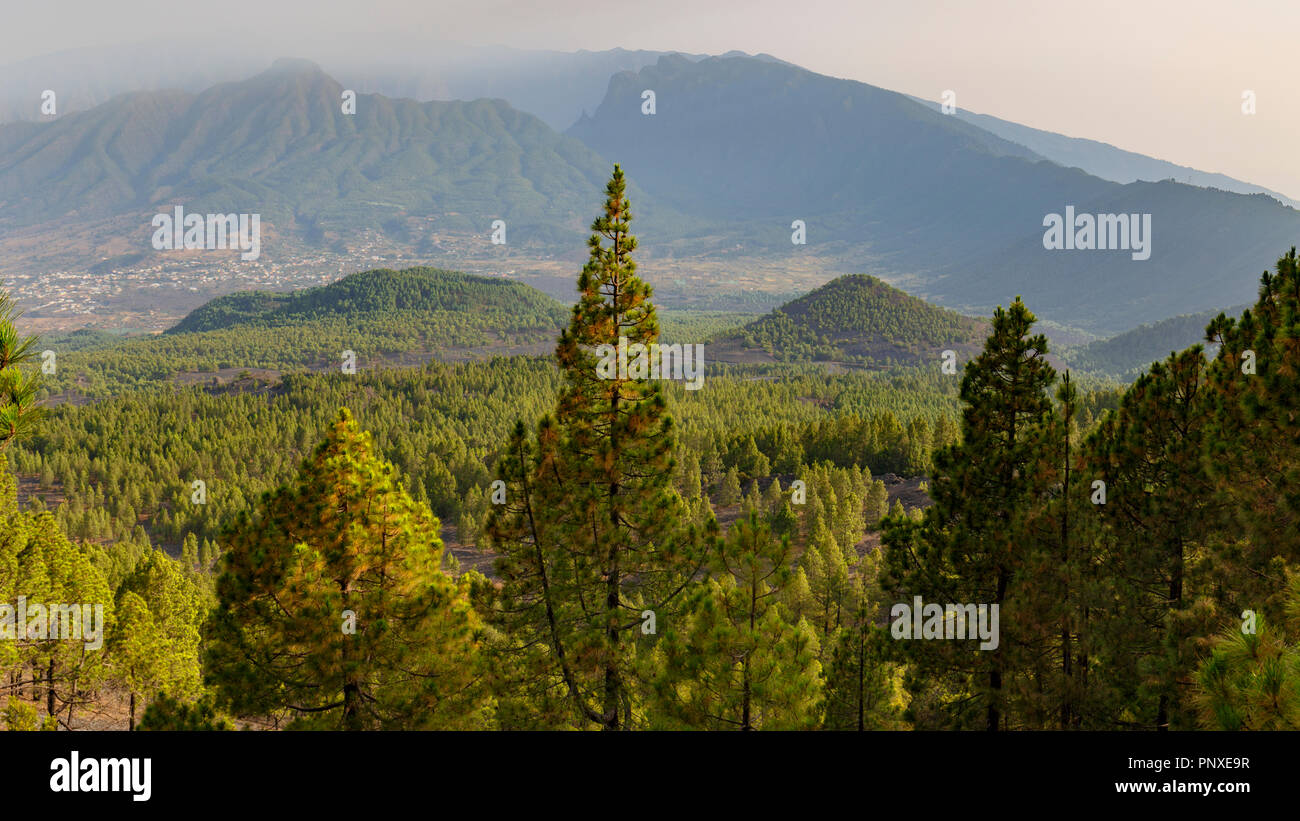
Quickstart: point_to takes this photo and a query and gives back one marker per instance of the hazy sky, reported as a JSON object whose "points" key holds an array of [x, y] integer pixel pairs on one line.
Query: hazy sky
{"points": [[1161, 77]]}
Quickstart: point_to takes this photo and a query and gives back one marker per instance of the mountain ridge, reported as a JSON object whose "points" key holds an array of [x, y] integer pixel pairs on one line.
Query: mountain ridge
{"points": [[1105, 160]]}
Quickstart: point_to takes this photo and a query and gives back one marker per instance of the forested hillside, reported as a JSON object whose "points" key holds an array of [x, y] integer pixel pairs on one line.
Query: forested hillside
{"points": [[1126, 355], [856, 319], [385, 318], [371, 294]]}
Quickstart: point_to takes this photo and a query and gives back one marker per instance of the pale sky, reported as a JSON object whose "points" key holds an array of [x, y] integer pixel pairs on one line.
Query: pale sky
{"points": [[1160, 77]]}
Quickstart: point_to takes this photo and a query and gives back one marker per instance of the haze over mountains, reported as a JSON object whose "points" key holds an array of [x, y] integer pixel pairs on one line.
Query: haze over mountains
{"points": [[555, 86], [280, 145], [738, 149]]}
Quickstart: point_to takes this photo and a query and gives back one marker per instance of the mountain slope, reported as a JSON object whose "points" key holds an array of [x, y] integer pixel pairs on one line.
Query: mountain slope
{"points": [[760, 144], [1128, 354], [280, 146], [556, 87], [950, 211], [1207, 249], [853, 318], [1105, 160]]}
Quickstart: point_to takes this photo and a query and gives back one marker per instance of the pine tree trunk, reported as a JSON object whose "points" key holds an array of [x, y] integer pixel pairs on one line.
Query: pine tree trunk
{"points": [[1082, 666], [351, 705], [612, 636], [1067, 674], [612, 684], [748, 687], [351, 686], [1175, 603], [49, 693], [862, 696], [994, 717]]}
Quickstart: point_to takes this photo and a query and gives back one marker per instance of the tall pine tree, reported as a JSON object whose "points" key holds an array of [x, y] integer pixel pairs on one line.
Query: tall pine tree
{"points": [[594, 534], [966, 548]]}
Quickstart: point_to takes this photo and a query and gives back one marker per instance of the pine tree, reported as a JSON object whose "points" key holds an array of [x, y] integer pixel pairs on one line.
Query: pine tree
{"points": [[333, 609], [39, 563], [1252, 438], [797, 598], [896, 510], [828, 577], [772, 496], [688, 478], [784, 521], [168, 714], [594, 534], [966, 548], [1057, 588], [752, 461], [860, 680], [730, 492], [1159, 509], [877, 504], [155, 642], [19, 412], [736, 662], [190, 552], [136, 649], [1251, 679]]}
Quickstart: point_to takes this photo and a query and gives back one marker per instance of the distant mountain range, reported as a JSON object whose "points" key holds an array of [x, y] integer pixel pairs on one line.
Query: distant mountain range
{"points": [[741, 155]]}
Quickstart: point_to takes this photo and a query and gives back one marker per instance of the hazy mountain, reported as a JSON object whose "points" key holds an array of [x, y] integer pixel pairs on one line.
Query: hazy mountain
{"points": [[765, 143], [952, 211], [1105, 160], [555, 86], [279, 145], [856, 319]]}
